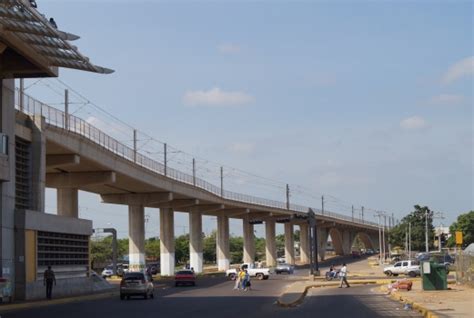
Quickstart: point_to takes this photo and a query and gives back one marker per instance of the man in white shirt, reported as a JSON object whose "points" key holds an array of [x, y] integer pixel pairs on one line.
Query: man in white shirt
{"points": [[343, 275]]}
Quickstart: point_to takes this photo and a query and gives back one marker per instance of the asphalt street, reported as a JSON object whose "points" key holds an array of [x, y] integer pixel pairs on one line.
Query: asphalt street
{"points": [[215, 297]]}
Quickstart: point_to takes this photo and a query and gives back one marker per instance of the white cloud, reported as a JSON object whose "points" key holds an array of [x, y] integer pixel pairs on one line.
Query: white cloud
{"points": [[446, 99], [413, 123], [242, 147], [216, 97], [460, 69], [229, 48]]}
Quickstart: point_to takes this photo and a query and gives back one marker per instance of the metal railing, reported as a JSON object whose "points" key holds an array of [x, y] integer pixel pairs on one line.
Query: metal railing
{"points": [[57, 118]]}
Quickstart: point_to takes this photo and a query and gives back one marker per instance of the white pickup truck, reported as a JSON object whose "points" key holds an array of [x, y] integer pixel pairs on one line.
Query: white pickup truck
{"points": [[410, 268], [259, 273]]}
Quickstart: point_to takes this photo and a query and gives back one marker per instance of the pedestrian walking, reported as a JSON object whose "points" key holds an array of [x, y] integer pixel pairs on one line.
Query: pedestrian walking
{"points": [[237, 279], [246, 284], [48, 281], [343, 274]]}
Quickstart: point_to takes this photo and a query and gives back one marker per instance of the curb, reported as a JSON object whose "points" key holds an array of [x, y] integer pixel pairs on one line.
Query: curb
{"points": [[59, 301], [427, 313], [300, 299]]}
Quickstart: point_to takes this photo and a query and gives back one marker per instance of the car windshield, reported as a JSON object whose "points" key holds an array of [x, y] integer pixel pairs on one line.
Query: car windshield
{"points": [[184, 273], [134, 276]]}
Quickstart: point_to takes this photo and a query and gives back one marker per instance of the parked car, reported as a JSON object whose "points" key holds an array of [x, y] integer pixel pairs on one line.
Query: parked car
{"points": [[153, 268], [281, 260], [136, 284], [355, 254], [122, 269], [410, 268], [284, 268], [369, 252], [185, 277], [107, 272], [259, 273]]}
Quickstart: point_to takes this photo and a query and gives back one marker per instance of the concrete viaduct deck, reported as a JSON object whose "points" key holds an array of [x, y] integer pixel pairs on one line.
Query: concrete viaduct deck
{"points": [[78, 156]]}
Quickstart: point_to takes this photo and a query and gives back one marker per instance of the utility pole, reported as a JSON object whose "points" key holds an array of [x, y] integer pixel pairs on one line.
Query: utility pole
{"points": [[222, 181], [194, 172], [287, 196], [362, 211], [409, 241], [134, 145], [66, 109], [378, 214], [383, 235], [165, 157], [426, 231], [22, 91], [352, 213], [322, 204]]}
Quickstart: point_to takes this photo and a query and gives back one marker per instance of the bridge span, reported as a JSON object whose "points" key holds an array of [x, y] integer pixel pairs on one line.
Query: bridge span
{"points": [[78, 156]]}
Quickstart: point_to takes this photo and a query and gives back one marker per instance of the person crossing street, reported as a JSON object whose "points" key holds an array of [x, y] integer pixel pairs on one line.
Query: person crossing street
{"points": [[343, 274]]}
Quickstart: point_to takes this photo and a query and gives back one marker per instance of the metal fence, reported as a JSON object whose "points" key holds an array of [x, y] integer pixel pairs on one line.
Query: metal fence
{"points": [[57, 118], [465, 269]]}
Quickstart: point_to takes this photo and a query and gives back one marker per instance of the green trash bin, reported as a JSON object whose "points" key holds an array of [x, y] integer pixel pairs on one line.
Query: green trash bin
{"points": [[433, 276]]}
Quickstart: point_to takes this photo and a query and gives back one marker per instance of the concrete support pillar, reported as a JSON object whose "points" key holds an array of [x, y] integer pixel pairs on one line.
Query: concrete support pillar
{"points": [[289, 244], [38, 163], [195, 241], [222, 243], [270, 243], [322, 242], [304, 244], [347, 240], [67, 202], [167, 260], [336, 238], [249, 241], [136, 236]]}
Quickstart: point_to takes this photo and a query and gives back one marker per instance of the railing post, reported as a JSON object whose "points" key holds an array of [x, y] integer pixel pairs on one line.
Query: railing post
{"points": [[322, 204], [287, 196]]}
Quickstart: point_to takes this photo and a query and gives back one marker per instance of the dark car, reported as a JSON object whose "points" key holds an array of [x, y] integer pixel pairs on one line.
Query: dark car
{"points": [[185, 277], [284, 268], [153, 268]]}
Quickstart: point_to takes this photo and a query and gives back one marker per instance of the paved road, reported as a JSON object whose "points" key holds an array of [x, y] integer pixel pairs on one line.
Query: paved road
{"points": [[214, 297]]}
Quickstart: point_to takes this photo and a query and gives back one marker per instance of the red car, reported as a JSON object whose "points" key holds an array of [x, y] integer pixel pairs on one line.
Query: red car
{"points": [[185, 277]]}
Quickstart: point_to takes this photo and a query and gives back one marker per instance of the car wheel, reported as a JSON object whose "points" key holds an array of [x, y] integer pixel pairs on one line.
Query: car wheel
{"points": [[232, 276], [412, 274], [278, 273], [266, 277], [395, 274], [259, 276], [388, 273]]}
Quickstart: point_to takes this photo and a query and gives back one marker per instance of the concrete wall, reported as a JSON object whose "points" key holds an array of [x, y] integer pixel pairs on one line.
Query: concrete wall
{"points": [[7, 189]]}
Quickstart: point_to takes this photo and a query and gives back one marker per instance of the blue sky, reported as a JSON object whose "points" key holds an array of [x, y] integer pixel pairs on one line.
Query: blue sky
{"points": [[368, 103]]}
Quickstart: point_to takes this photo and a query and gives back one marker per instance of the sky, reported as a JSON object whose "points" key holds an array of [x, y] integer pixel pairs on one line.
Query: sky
{"points": [[365, 103]]}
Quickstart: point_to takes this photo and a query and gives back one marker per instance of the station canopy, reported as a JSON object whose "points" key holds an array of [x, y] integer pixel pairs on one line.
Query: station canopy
{"points": [[32, 46]]}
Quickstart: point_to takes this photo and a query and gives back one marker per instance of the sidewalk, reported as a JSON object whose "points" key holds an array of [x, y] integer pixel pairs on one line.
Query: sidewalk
{"points": [[457, 301]]}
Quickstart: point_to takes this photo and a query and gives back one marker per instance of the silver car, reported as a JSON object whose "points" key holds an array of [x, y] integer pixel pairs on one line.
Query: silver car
{"points": [[136, 284], [284, 268]]}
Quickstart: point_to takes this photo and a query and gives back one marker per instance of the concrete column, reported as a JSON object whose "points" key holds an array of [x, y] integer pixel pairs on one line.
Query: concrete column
{"points": [[322, 242], [270, 243], [289, 244], [136, 236], [167, 260], [304, 243], [38, 162], [347, 240], [195, 241], [337, 242], [67, 202], [249, 240], [222, 243]]}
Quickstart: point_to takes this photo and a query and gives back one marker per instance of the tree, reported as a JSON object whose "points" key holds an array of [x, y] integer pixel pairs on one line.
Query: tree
{"points": [[209, 248], [260, 248], [465, 224], [152, 248], [236, 249], [280, 245], [417, 220], [181, 251]]}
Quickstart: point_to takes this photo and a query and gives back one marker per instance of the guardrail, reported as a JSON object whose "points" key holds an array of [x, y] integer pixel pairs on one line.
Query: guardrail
{"points": [[57, 118]]}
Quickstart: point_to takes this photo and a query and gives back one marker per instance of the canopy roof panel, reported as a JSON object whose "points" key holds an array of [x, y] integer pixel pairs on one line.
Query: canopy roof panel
{"points": [[29, 35]]}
